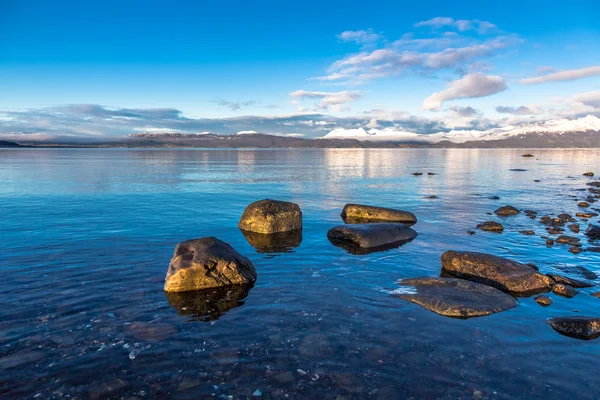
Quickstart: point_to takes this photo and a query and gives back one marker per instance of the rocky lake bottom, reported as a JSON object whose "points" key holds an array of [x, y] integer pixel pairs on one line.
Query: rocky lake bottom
{"points": [[87, 236]]}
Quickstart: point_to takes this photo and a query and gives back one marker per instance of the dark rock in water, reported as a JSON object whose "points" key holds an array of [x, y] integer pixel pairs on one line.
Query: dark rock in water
{"points": [[471, 232], [574, 228], [569, 281], [528, 212], [594, 249], [506, 211], [545, 219], [361, 212], [431, 173], [577, 327], [587, 215], [527, 155], [431, 197], [527, 232], [517, 169], [564, 239], [593, 232], [494, 197], [371, 237], [575, 249], [456, 297], [537, 180], [417, 173], [554, 230], [271, 216], [564, 290], [532, 265], [208, 304], [566, 218], [549, 242], [594, 184], [280, 242], [502, 273], [206, 263], [583, 204], [490, 226], [543, 300], [596, 294], [588, 174], [578, 269]]}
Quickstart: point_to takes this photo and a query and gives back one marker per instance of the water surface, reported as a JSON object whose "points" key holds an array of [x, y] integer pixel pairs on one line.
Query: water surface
{"points": [[87, 236]]}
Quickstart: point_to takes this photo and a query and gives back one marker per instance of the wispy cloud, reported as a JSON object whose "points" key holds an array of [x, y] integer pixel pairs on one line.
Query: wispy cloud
{"points": [[360, 37], [324, 100], [567, 75], [521, 110], [470, 86], [460, 24]]}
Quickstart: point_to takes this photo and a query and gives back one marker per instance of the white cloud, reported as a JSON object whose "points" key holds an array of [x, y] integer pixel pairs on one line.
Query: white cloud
{"points": [[521, 110], [567, 75], [460, 24], [472, 85], [360, 37], [324, 100]]}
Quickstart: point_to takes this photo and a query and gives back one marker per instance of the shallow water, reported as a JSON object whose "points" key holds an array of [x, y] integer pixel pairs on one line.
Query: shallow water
{"points": [[87, 236]]}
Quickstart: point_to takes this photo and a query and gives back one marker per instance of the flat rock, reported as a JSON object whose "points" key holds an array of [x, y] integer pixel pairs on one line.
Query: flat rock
{"points": [[527, 232], [564, 290], [490, 226], [588, 174], [593, 232], [543, 300], [565, 239], [502, 273], [368, 236], [373, 213], [527, 155], [578, 269], [206, 263], [583, 204], [456, 297], [594, 249], [271, 216], [569, 281], [506, 211], [577, 327]]}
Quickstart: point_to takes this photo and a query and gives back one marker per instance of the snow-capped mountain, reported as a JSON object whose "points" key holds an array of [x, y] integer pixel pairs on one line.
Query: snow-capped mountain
{"points": [[555, 126]]}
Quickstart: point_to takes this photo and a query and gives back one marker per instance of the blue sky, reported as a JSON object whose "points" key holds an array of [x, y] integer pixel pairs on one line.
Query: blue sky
{"points": [[265, 66]]}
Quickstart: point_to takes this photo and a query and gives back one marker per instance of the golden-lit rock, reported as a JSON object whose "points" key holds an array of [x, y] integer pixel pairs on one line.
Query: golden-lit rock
{"points": [[271, 216]]}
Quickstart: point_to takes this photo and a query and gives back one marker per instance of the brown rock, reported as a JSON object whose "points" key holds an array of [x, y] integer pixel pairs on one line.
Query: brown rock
{"points": [[564, 290], [372, 213], [370, 236], [490, 226], [527, 232], [543, 300], [588, 174], [506, 211], [502, 273], [527, 155], [456, 297], [207, 263], [574, 228], [583, 204], [271, 216], [564, 239], [577, 327], [569, 281]]}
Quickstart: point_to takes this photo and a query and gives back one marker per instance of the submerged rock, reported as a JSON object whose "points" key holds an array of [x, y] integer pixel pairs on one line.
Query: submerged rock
{"points": [[578, 269], [577, 327], [456, 297], [206, 263], [373, 213], [564, 290], [502, 273], [569, 281], [370, 236], [279, 242], [506, 211], [271, 216], [543, 300], [593, 232], [490, 226], [527, 232], [208, 304]]}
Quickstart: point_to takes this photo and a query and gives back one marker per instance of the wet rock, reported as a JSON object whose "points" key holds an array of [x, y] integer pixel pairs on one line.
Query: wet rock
{"points": [[208, 304], [271, 216], [502, 273], [574, 228], [506, 211], [594, 184], [471, 232], [577, 327], [532, 265], [490, 226], [587, 215], [583, 204], [517, 169], [554, 230], [549, 242], [494, 198], [596, 294], [527, 232], [543, 300], [588, 174], [594, 249], [569, 281], [575, 249], [106, 389], [151, 332], [527, 155], [578, 269], [370, 236], [566, 218], [456, 297], [417, 173], [431, 173], [206, 263], [372, 213], [537, 180], [280, 242], [570, 240], [593, 232], [564, 290], [432, 197]]}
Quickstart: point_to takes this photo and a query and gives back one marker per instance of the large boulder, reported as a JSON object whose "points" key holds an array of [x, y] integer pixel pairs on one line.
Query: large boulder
{"points": [[502, 273], [271, 216], [207, 263], [456, 297], [593, 232], [370, 236], [359, 212], [577, 327]]}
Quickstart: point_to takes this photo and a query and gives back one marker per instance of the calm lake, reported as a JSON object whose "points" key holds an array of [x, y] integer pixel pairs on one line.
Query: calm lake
{"points": [[87, 236]]}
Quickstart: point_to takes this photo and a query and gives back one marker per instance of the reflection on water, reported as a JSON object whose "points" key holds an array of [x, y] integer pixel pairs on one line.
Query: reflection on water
{"points": [[280, 242], [87, 236], [208, 304]]}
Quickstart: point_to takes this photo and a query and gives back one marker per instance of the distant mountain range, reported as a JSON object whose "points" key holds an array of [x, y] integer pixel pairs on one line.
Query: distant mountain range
{"points": [[582, 132]]}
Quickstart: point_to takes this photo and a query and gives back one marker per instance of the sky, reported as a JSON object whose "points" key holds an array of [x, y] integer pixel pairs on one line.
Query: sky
{"points": [[96, 70]]}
